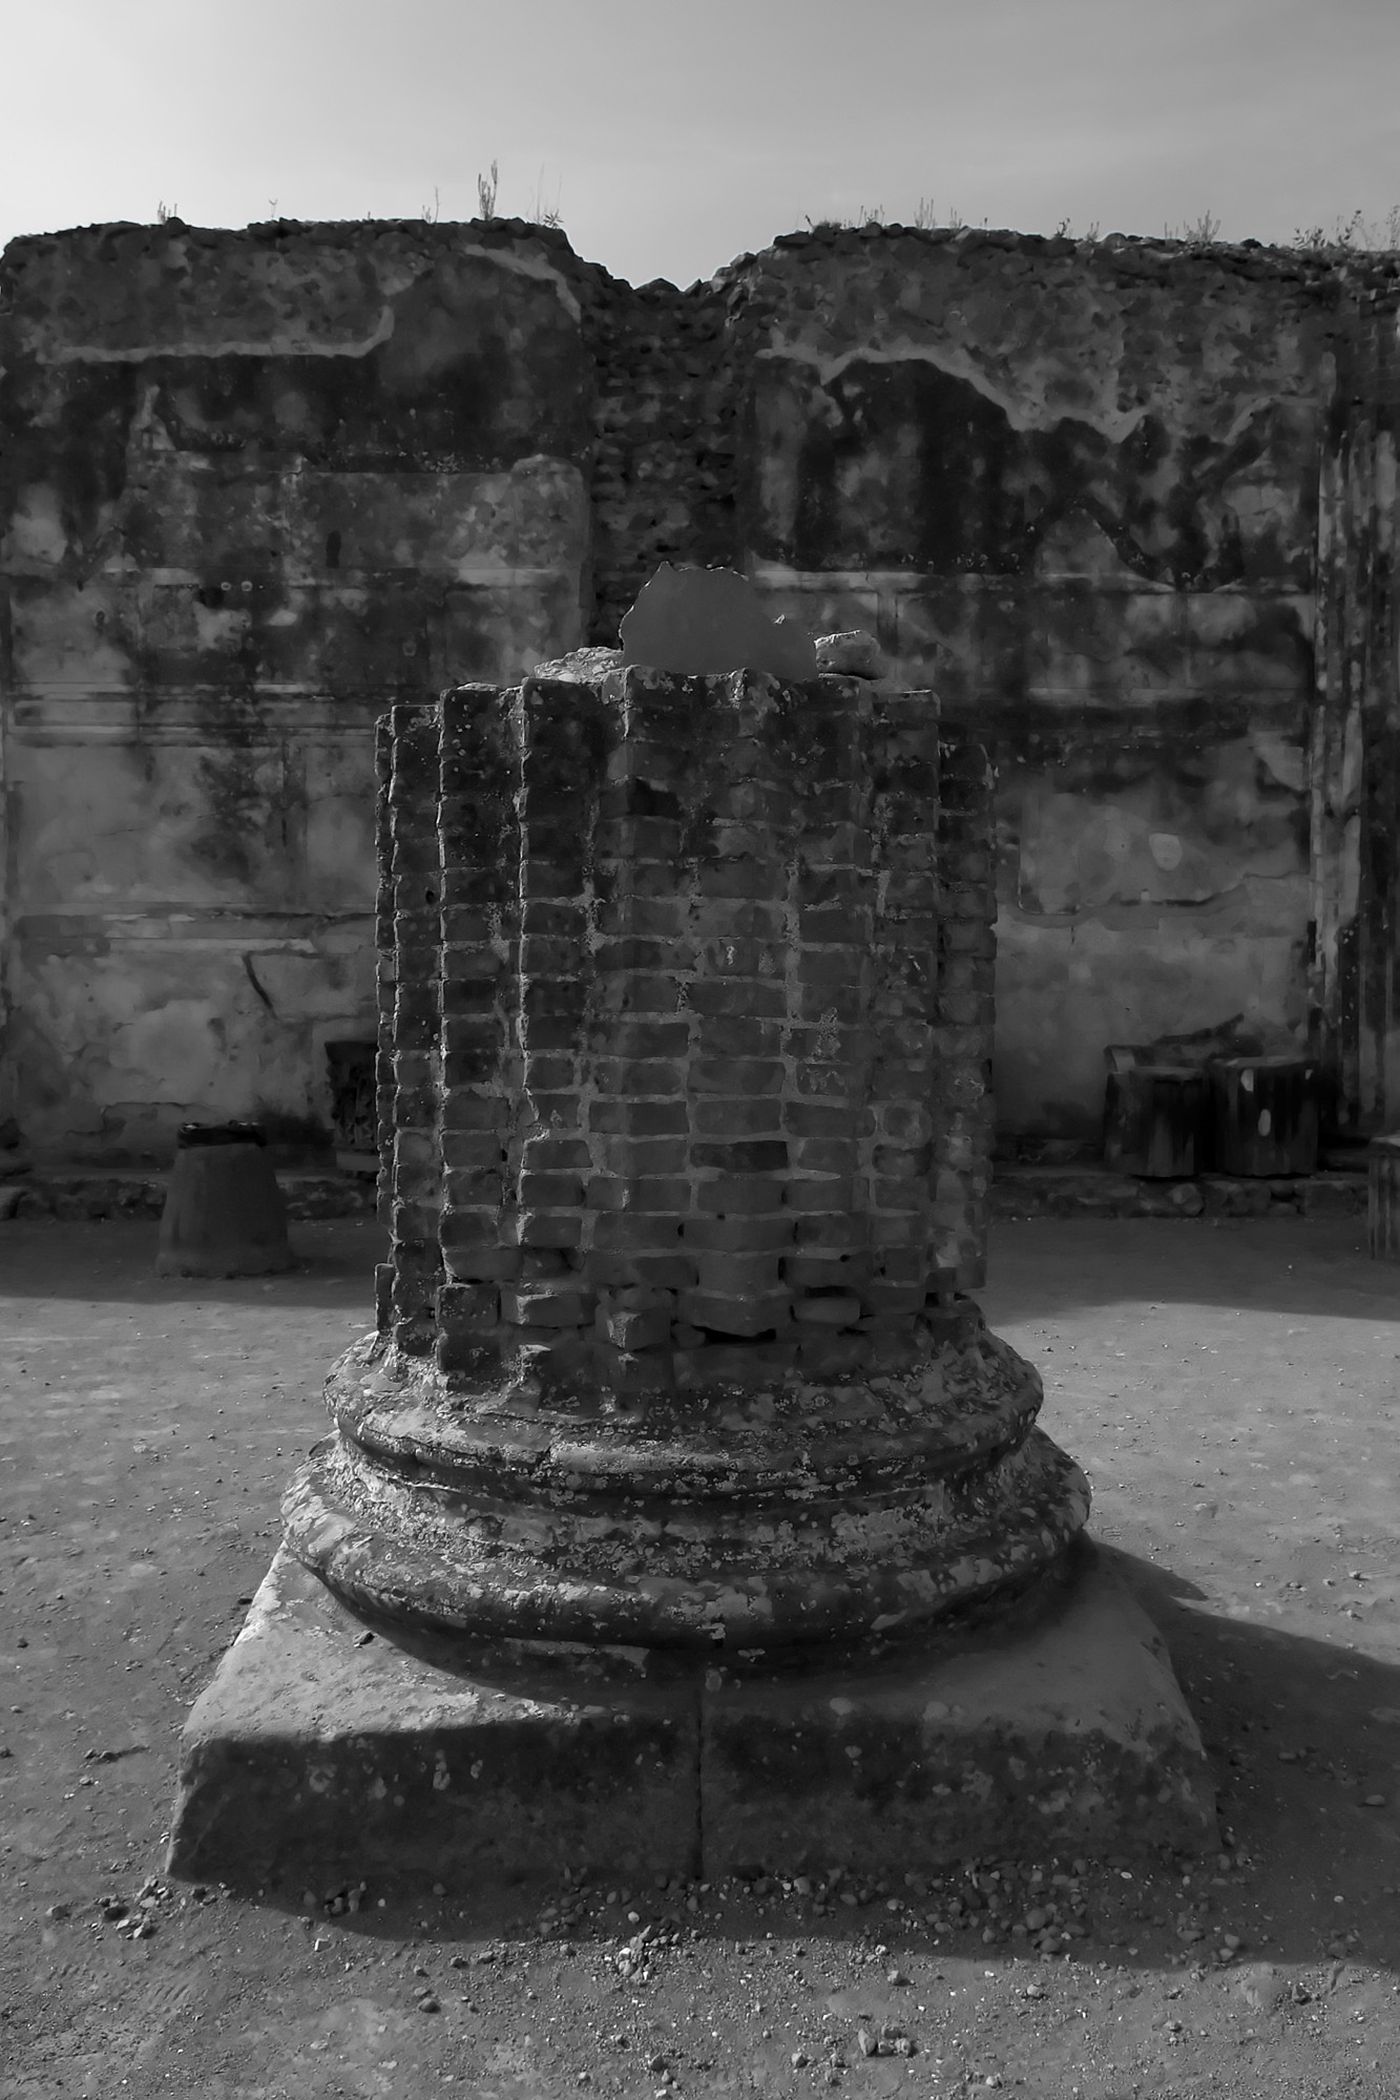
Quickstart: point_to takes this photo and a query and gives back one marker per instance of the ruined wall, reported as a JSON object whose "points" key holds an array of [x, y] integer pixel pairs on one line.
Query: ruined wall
{"points": [[1073, 488], [1127, 508], [254, 488], [1354, 756]]}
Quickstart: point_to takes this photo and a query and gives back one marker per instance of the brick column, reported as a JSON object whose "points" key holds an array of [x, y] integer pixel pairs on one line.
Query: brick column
{"points": [[411, 873], [690, 1031], [479, 839]]}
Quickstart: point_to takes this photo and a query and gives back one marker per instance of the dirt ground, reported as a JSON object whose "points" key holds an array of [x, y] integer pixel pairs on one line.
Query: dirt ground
{"points": [[1231, 1390]]}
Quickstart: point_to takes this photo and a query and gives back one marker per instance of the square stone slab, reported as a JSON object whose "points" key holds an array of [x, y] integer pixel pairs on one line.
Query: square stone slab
{"points": [[1061, 1731], [325, 1750]]}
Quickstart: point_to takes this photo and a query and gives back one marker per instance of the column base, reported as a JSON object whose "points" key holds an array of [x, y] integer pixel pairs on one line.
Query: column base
{"points": [[317, 1755]]}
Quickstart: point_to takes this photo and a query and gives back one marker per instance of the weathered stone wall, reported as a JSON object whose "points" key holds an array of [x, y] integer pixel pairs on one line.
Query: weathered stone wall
{"points": [[1074, 490], [255, 487], [1127, 508], [1354, 755]]}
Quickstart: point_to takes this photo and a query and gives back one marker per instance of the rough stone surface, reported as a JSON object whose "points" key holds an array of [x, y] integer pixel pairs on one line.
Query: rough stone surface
{"points": [[316, 1753]]}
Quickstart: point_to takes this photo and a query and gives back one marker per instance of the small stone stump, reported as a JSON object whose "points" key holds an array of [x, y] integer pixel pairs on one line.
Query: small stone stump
{"points": [[224, 1214], [1265, 1115], [1155, 1119]]}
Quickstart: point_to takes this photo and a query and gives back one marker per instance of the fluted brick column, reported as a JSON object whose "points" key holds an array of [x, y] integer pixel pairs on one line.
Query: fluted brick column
{"points": [[688, 1022], [411, 870]]}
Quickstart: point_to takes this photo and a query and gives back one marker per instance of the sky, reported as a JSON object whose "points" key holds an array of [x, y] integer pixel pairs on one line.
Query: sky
{"points": [[671, 135]]}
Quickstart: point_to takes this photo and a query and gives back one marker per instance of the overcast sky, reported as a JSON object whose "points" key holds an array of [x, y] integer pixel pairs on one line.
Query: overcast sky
{"points": [[671, 136]]}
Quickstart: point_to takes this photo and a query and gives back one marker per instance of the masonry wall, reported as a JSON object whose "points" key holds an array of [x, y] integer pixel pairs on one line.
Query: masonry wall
{"points": [[255, 488], [1074, 489], [1127, 508]]}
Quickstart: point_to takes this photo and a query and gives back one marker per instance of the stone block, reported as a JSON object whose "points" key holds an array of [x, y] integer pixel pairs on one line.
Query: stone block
{"points": [[318, 1753], [723, 1314], [646, 1328], [835, 1309], [327, 1748], [1063, 1733]]}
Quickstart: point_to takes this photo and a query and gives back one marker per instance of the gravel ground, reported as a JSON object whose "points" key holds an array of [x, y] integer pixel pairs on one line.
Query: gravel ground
{"points": [[1231, 1389]]}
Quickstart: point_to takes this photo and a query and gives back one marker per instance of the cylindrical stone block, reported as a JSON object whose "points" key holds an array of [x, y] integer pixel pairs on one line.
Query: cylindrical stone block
{"points": [[224, 1214], [1265, 1115]]}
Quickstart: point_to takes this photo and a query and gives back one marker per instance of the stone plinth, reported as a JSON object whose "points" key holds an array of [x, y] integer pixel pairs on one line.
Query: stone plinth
{"points": [[683, 1072], [316, 1757]]}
